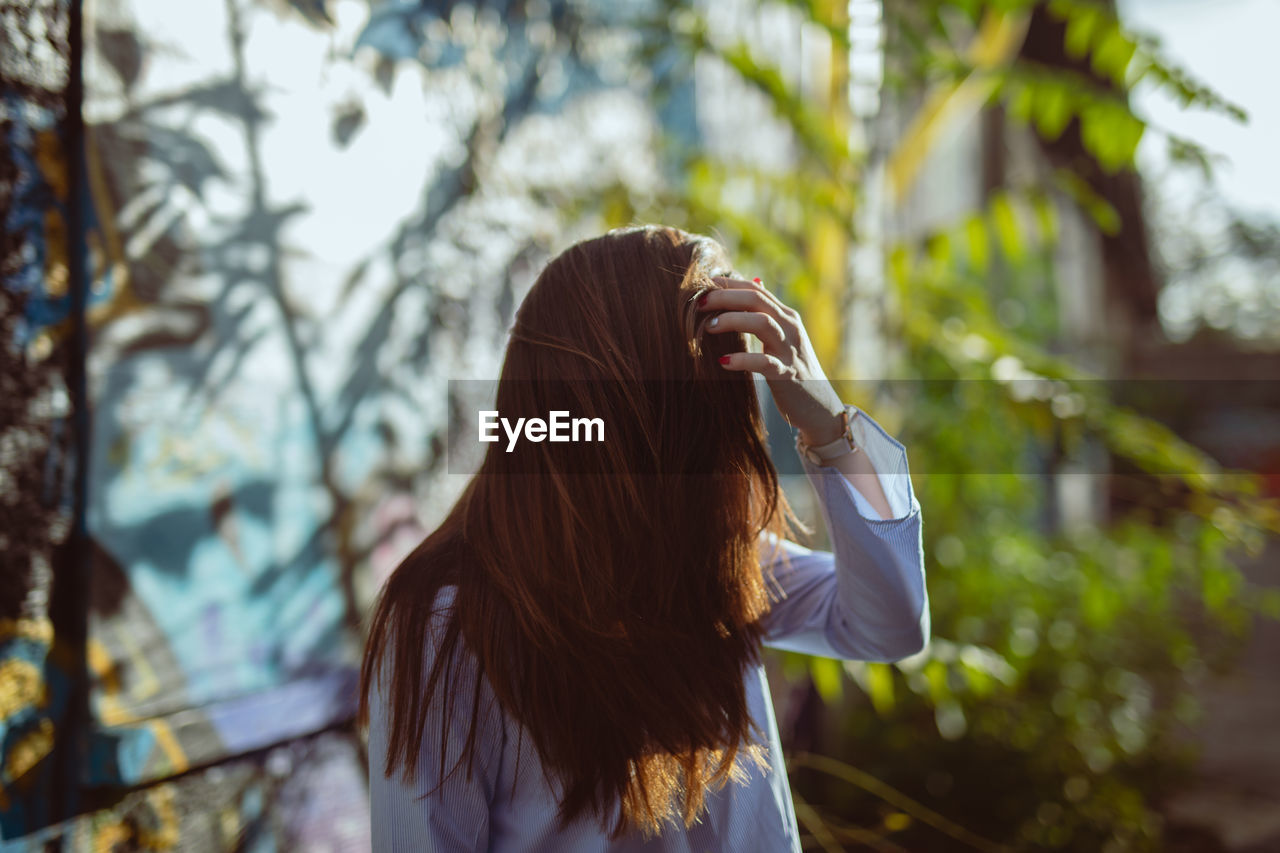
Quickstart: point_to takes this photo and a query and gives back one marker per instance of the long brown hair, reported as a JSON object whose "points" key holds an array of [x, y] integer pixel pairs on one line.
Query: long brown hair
{"points": [[613, 604]]}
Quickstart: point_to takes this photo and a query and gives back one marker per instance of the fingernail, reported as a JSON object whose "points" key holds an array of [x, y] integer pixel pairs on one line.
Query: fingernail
{"points": [[756, 280], [702, 300], [724, 359], [715, 321]]}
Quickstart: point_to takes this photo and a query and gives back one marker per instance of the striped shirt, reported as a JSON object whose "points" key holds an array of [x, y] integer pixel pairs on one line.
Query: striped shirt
{"points": [[863, 600]]}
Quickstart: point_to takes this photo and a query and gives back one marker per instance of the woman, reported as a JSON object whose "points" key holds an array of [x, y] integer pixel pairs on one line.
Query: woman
{"points": [[570, 662]]}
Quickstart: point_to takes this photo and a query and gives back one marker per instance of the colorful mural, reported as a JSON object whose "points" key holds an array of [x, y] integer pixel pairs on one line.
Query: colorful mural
{"points": [[302, 221], [34, 439]]}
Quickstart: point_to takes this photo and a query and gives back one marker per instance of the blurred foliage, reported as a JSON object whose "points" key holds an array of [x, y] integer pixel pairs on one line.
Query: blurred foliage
{"points": [[1064, 661], [1221, 266], [1044, 712]]}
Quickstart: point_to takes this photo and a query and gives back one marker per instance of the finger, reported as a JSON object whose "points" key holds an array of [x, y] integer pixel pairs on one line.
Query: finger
{"points": [[733, 299], [754, 284], [768, 366], [740, 283], [757, 323]]}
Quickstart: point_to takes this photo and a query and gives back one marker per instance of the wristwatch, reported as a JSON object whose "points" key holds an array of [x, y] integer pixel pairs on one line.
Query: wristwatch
{"points": [[842, 446]]}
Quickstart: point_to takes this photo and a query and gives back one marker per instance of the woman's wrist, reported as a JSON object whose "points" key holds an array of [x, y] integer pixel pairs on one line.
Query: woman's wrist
{"points": [[825, 431]]}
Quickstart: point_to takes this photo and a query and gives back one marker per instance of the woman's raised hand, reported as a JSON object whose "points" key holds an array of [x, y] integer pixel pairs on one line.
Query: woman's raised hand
{"points": [[800, 389]]}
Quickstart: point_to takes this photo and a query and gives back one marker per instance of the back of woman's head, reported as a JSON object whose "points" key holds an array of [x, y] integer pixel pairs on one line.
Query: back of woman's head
{"points": [[619, 577]]}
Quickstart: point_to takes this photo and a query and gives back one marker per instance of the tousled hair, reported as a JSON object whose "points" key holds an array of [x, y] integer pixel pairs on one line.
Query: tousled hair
{"points": [[612, 603]]}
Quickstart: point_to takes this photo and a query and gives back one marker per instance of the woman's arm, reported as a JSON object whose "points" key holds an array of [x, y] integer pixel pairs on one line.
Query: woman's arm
{"points": [[866, 598], [861, 473]]}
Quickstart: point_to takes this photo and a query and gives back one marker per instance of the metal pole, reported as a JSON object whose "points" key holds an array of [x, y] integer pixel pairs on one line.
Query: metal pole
{"points": [[69, 602]]}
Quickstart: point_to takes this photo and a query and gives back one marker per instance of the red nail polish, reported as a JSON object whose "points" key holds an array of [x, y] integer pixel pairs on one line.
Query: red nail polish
{"points": [[724, 359], [756, 280], [702, 300]]}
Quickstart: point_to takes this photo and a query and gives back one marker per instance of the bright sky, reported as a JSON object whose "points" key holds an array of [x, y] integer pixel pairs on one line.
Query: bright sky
{"points": [[1231, 46]]}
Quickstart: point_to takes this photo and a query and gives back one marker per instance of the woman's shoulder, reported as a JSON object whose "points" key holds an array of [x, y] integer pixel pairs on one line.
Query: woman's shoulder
{"points": [[445, 598], [428, 638]]}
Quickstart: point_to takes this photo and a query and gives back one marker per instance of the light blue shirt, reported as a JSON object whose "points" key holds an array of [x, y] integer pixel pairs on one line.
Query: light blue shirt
{"points": [[863, 600]]}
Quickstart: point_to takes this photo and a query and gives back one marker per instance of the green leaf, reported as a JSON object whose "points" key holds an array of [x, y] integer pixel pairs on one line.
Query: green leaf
{"points": [[1052, 109], [1186, 152], [1104, 215], [975, 230], [938, 248], [827, 675], [1046, 218], [1020, 98], [1219, 587], [1190, 93], [1099, 605], [1113, 53], [1081, 25], [1004, 220], [900, 266], [936, 673], [1111, 134], [880, 687]]}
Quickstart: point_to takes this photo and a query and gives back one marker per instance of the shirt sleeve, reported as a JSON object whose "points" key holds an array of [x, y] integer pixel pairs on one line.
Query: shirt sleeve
{"points": [[866, 598], [424, 815]]}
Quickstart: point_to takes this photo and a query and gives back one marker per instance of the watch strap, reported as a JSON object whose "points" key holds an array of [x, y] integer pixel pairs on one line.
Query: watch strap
{"points": [[842, 446]]}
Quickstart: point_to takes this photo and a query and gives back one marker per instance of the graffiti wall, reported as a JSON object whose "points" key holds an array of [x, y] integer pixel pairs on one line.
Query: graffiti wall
{"points": [[35, 446], [302, 220]]}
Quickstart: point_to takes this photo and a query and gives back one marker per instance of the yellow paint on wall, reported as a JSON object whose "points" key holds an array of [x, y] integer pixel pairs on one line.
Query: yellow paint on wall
{"points": [[113, 713], [169, 745], [36, 630], [21, 686], [111, 837], [107, 252], [100, 664], [29, 749], [148, 684], [165, 836]]}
